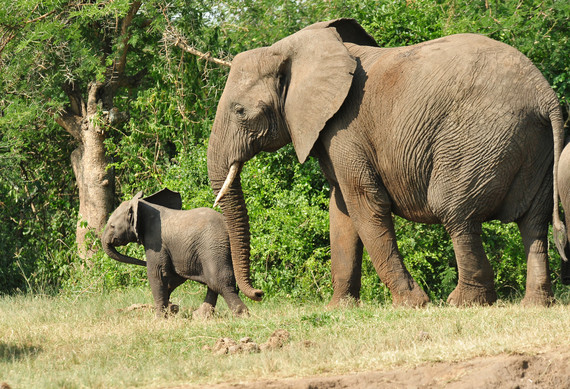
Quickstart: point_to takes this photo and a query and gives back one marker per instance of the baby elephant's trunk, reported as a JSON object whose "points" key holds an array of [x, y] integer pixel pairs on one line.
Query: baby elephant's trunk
{"points": [[112, 252]]}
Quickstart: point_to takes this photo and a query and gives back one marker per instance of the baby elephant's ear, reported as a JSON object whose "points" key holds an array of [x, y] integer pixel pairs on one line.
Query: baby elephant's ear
{"points": [[133, 212], [166, 198]]}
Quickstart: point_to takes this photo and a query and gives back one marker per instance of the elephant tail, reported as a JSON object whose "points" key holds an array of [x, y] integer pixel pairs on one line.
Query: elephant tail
{"points": [[558, 228]]}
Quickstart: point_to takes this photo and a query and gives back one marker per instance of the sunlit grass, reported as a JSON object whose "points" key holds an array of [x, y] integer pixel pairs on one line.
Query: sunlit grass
{"points": [[90, 341]]}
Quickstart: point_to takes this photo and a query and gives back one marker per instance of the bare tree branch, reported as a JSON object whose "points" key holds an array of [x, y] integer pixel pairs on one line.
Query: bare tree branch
{"points": [[175, 38], [40, 17]]}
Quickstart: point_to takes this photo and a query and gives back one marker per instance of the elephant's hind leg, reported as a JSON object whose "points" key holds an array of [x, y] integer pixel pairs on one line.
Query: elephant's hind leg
{"points": [[476, 280], [534, 234]]}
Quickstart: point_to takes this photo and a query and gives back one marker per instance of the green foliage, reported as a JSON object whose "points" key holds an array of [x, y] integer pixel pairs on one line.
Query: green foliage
{"points": [[288, 208], [37, 208], [428, 255]]}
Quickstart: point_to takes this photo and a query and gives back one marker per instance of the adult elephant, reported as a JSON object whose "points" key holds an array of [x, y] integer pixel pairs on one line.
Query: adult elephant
{"points": [[457, 131]]}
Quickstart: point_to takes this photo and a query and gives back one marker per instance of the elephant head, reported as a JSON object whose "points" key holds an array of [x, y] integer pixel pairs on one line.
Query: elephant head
{"points": [[124, 223], [275, 95]]}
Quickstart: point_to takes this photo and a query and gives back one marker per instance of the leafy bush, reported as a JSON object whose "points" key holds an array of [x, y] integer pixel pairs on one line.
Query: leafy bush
{"points": [[288, 208]]}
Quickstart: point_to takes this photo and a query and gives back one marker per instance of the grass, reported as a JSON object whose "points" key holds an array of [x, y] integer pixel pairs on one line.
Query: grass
{"points": [[88, 341]]}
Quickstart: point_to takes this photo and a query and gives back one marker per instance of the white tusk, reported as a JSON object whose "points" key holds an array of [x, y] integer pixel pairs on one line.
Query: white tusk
{"points": [[234, 169]]}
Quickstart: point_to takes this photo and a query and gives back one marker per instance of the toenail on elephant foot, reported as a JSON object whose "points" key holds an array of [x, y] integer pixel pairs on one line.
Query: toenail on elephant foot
{"points": [[467, 295]]}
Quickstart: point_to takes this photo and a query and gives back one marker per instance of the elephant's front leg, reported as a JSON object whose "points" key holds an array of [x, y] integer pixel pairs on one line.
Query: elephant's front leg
{"points": [[159, 286], [346, 252]]}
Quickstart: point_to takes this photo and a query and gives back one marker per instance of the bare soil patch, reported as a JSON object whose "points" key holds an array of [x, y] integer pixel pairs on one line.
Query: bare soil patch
{"points": [[545, 369]]}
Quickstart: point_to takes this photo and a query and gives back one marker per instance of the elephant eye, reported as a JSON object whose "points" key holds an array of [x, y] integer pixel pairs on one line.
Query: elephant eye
{"points": [[239, 111]]}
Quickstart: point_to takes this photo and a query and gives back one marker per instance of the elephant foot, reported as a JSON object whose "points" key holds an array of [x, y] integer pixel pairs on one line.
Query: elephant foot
{"points": [[206, 311], [466, 295], [414, 297], [166, 312], [240, 311], [344, 299], [347, 301], [538, 299]]}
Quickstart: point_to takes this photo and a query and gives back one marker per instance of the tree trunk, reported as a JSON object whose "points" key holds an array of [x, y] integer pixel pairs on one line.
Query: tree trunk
{"points": [[95, 181]]}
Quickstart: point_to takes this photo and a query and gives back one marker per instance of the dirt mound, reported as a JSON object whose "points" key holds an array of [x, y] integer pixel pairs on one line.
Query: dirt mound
{"points": [[550, 369], [246, 345]]}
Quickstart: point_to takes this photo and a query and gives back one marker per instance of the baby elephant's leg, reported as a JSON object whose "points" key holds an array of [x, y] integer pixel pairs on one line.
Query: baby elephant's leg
{"points": [[206, 310], [160, 291], [162, 283]]}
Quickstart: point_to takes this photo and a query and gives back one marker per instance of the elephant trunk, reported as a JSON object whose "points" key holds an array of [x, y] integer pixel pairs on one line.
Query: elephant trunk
{"points": [[231, 201], [112, 252]]}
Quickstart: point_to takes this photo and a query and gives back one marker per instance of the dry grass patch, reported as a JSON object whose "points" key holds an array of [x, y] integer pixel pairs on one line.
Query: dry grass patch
{"points": [[91, 341]]}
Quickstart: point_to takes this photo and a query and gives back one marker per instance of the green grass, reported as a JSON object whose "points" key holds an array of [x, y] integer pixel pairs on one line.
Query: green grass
{"points": [[86, 340]]}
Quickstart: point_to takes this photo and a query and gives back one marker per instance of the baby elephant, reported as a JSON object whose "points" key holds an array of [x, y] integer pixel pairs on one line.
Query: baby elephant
{"points": [[179, 245]]}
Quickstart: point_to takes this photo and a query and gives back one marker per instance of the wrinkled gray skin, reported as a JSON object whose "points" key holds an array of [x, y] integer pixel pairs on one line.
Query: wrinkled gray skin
{"points": [[564, 187], [457, 131], [179, 246]]}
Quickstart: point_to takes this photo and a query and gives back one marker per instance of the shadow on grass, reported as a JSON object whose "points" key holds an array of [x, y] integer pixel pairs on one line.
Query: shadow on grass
{"points": [[12, 353]]}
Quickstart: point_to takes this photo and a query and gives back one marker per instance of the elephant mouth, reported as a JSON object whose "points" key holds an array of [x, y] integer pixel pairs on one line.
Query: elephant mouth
{"points": [[118, 242]]}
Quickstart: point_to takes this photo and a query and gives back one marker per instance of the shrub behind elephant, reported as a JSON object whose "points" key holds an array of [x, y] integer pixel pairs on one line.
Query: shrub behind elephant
{"points": [[179, 244]]}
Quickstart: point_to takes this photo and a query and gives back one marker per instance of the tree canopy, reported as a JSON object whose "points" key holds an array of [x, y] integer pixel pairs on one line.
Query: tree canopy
{"points": [[108, 68]]}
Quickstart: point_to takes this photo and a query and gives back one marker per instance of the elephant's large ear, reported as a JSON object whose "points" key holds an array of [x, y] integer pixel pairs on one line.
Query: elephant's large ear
{"points": [[319, 74], [349, 31], [166, 198], [133, 212]]}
